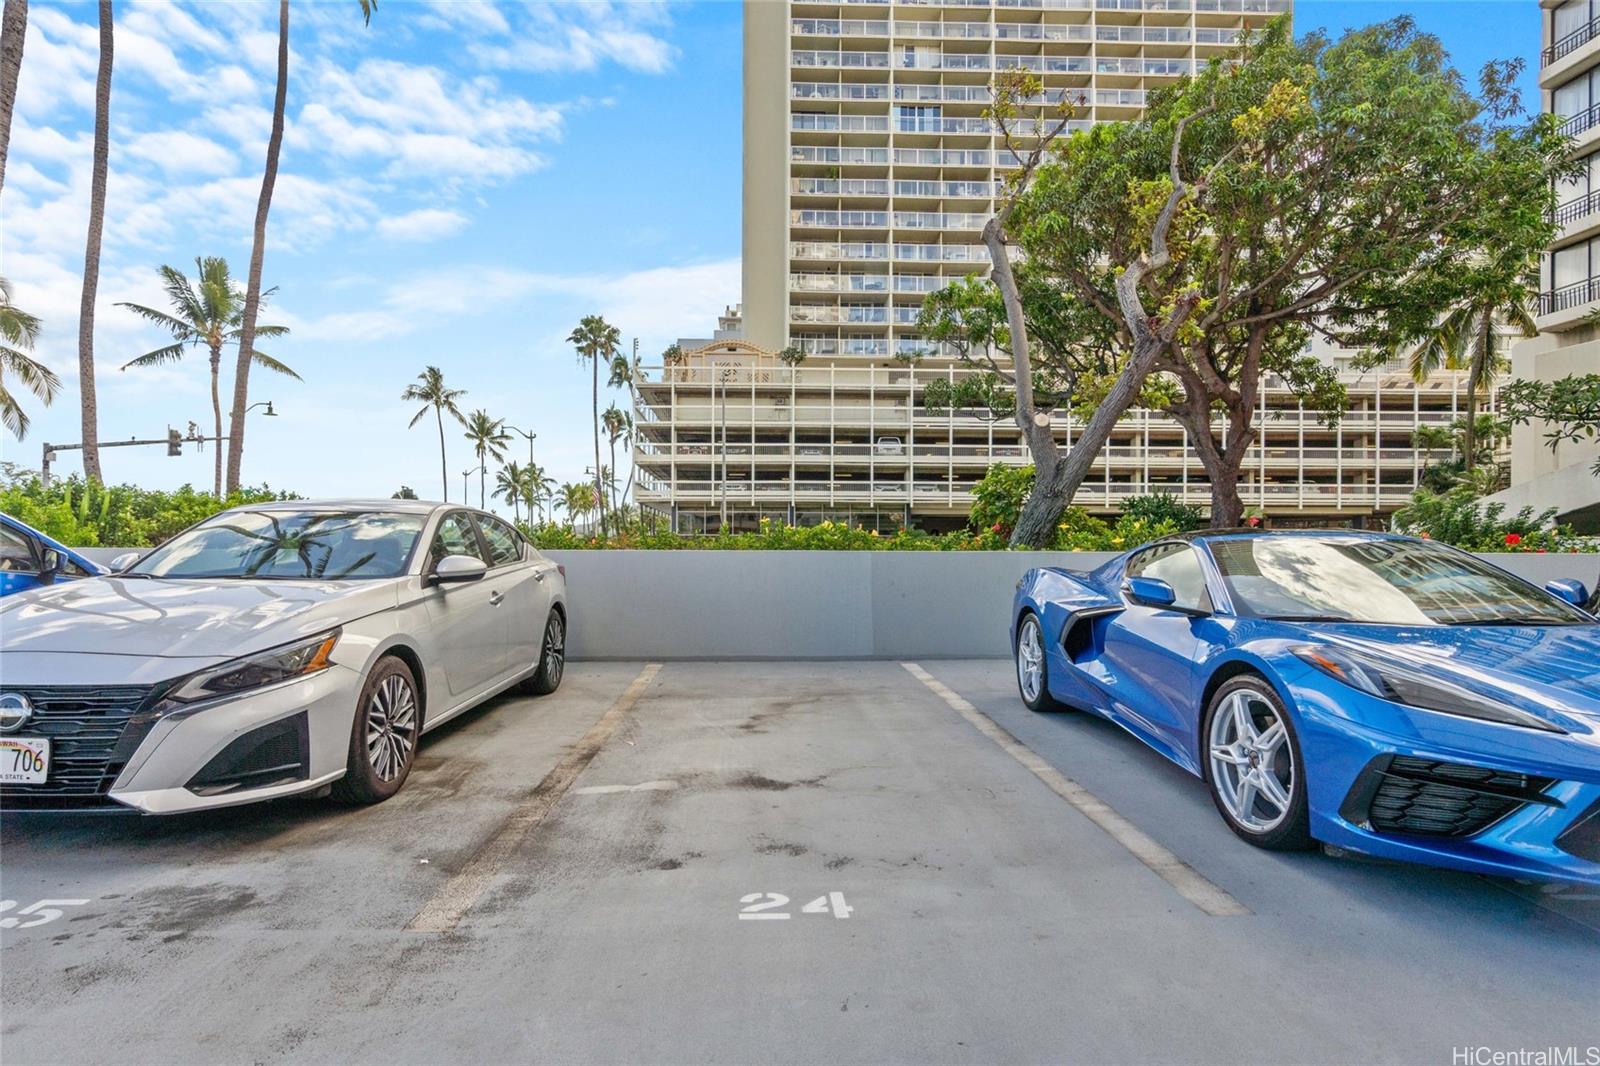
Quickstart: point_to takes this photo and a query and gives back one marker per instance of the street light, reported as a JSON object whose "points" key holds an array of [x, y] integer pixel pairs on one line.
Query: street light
{"points": [[466, 474], [526, 433], [268, 413]]}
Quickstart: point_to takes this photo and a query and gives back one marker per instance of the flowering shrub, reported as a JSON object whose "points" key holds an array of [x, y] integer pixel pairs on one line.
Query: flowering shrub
{"points": [[1457, 518]]}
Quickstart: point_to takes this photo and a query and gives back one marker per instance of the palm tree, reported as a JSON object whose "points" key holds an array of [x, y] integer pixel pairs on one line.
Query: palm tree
{"points": [[619, 426], [579, 498], [19, 330], [258, 246], [541, 487], [430, 391], [13, 30], [207, 315], [596, 341], [510, 485], [489, 440], [1471, 336], [88, 409]]}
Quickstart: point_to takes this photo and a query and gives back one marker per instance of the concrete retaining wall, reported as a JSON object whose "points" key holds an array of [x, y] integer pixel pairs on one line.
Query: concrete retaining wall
{"points": [[827, 605]]}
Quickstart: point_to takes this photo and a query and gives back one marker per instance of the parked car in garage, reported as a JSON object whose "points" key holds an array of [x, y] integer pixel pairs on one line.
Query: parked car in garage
{"points": [[273, 649], [1383, 694], [29, 559]]}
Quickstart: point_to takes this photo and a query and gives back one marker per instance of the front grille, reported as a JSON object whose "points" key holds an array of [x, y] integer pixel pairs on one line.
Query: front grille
{"points": [[93, 730], [1429, 798], [1582, 837]]}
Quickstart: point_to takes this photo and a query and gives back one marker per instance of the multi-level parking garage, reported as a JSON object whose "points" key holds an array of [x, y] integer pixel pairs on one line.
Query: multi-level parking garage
{"points": [[730, 430]]}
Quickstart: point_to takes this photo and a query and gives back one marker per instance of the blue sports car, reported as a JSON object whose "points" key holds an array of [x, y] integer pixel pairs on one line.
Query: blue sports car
{"points": [[1383, 694], [29, 559]]}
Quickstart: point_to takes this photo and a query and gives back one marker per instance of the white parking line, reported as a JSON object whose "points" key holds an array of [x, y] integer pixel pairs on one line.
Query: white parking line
{"points": [[458, 895], [1177, 873]]}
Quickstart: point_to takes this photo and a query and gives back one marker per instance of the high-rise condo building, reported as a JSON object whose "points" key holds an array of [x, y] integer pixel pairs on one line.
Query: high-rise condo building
{"points": [[869, 171], [1569, 298]]}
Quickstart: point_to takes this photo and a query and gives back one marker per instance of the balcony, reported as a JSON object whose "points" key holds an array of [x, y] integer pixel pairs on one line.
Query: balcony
{"points": [[841, 186], [807, 219], [942, 253], [839, 315], [838, 250], [854, 60], [1581, 207], [839, 123], [1569, 296], [950, 30], [938, 220], [1581, 121], [826, 90], [839, 28], [1569, 44], [943, 157], [975, 190], [839, 282], [803, 153]]}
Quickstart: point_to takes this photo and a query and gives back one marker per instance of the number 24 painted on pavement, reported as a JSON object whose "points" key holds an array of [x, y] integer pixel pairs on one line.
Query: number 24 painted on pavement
{"points": [[764, 905]]}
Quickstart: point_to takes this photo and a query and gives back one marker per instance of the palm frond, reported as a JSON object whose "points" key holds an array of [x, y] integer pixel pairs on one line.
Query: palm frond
{"points": [[12, 416], [39, 379], [182, 295], [261, 358], [176, 326], [272, 331], [160, 357]]}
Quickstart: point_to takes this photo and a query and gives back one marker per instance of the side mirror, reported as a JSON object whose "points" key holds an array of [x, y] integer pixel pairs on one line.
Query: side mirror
{"points": [[123, 561], [1151, 591], [1568, 590], [50, 561], [453, 569]]}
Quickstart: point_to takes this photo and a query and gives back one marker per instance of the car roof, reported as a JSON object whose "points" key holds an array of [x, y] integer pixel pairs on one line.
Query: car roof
{"points": [[1248, 533], [352, 503]]}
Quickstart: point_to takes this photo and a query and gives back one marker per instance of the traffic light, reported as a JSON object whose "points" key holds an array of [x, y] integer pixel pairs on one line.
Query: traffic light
{"points": [[174, 442]]}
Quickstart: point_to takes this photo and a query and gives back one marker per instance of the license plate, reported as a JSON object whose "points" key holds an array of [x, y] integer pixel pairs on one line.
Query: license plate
{"points": [[24, 760]]}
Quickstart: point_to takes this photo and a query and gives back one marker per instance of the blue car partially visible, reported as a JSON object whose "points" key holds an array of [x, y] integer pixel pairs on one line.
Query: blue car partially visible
{"points": [[29, 559], [1387, 695]]}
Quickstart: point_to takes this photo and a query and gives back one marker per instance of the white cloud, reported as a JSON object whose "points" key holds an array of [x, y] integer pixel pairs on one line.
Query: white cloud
{"points": [[424, 224], [566, 37], [178, 152], [658, 304], [424, 122]]}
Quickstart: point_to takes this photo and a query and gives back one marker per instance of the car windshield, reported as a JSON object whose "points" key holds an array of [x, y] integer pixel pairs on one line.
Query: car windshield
{"points": [[1393, 582], [254, 545]]}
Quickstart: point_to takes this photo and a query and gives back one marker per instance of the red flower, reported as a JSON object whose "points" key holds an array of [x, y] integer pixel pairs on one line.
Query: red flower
{"points": [[1540, 552], [1513, 539], [995, 528], [1424, 536], [1253, 521]]}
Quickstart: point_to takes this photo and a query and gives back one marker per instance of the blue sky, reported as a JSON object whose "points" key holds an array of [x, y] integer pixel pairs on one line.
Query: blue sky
{"points": [[461, 182]]}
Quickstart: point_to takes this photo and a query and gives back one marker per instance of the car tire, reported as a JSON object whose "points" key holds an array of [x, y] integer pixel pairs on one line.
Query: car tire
{"points": [[1254, 766], [1035, 692], [552, 657], [384, 735]]}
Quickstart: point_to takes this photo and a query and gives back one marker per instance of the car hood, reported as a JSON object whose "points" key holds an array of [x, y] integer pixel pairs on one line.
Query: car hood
{"points": [[1537, 668], [181, 618]]}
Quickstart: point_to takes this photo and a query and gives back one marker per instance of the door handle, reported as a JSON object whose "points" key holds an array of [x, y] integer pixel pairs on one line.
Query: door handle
{"points": [[495, 598], [538, 575]]}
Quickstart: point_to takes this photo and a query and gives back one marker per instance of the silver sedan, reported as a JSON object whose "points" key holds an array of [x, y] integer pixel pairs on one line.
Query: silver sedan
{"points": [[273, 649]]}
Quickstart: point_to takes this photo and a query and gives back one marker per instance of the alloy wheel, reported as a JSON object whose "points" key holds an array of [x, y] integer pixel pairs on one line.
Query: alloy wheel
{"points": [[1030, 660], [1252, 761], [555, 649], [391, 726]]}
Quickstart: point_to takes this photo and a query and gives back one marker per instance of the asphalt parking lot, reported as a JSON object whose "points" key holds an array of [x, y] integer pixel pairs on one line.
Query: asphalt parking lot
{"points": [[766, 862]]}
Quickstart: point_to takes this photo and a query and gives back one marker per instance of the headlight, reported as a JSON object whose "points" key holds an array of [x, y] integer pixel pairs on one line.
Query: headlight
{"points": [[1412, 687], [253, 671]]}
